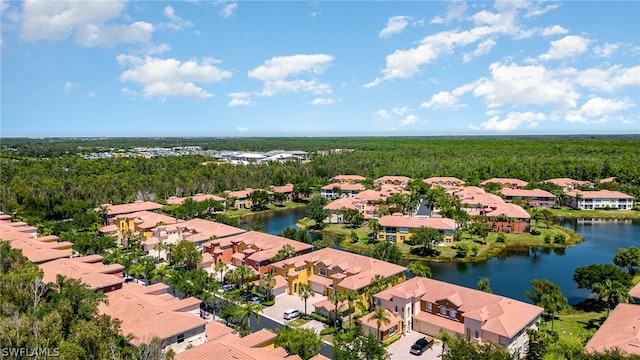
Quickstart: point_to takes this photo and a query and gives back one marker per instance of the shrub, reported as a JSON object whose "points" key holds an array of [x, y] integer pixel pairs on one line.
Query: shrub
{"points": [[560, 239], [502, 237], [269, 303], [535, 232], [392, 339], [320, 318], [462, 250], [327, 331], [547, 239]]}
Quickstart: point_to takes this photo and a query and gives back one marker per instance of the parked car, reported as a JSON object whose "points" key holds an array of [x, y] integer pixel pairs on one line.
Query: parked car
{"points": [[228, 287], [292, 314], [421, 345], [255, 299]]}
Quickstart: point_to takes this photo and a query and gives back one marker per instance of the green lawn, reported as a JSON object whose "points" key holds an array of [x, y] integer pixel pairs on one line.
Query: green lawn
{"points": [[485, 252], [298, 322], [569, 213], [574, 330]]}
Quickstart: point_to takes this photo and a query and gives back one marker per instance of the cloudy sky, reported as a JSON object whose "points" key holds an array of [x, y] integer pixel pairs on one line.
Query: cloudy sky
{"points": [[321, 68]]}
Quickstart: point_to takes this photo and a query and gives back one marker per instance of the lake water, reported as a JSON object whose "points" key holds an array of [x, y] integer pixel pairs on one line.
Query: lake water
{"points": [[511, 272]]}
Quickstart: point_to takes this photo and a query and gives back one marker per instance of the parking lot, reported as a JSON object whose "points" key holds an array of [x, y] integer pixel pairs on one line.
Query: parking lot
{"points": [[399, 350], [286, 302]]}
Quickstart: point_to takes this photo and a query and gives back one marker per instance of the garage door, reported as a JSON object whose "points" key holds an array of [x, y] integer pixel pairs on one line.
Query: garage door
{"points": [[279, 292], [319, 288], [425, 328]]}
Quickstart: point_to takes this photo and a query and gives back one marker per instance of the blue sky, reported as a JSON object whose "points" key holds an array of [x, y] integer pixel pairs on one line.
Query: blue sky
{"points": [[323, 68]]}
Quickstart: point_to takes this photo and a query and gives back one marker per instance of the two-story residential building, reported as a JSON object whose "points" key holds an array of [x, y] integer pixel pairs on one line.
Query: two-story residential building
{"points": [[197, 231], [447, 182], [568, 184], [506, 183], [347, 179], [139, 223], [601, 199], [429, 306], [327, 270], [619, 331], [399, 181], [88, 269], [240, 199], [252, 248], [338, 190], [174, 200], [399, 228], [38, 250], [537, 198], [114, 210], [149, 311], [286, 190], [509, 218]]}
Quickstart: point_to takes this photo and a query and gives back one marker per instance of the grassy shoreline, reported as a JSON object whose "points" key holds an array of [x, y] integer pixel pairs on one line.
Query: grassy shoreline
{"points": [[272, 208], [569, 213], [491, 249]]}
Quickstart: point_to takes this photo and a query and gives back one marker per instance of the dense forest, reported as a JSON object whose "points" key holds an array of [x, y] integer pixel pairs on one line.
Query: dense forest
{"points": [[46, 179]]}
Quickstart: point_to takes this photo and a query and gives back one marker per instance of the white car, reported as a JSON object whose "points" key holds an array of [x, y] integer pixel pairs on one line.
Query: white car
{"points": [[292, 314]]}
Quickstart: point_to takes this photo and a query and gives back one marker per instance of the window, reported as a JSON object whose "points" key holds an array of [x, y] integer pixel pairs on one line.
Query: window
{"points": [[502, 341], [404, 230], [402, 238], [443, 311], [452, 314], [391, 238], [392, 331], [380, 237], [323, 271], [378, 302], [396, 309], [180, 338], [476, 335], [429, 307]]}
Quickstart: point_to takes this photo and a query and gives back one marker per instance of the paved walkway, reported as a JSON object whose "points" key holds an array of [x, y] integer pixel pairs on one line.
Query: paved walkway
{"points": [[286, 302], [399, 350]]}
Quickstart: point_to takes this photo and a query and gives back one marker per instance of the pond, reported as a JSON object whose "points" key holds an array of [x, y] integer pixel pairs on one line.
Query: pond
{"points": [[511, 272]]}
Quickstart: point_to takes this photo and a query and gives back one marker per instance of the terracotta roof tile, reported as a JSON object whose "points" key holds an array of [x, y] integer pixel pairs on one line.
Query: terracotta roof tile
{"points": [[96, 275], [416, 222], [621, 330]]}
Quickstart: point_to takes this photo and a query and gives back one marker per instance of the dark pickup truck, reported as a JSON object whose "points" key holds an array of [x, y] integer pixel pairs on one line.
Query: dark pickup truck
{"points": [[421, 345]]}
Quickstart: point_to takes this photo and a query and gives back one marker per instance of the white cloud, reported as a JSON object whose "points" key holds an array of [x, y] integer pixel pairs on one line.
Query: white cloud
{"points": [[89, 22], [171, 77], [177, 23], [315, 14], [403, 64], [69, 85], [441, 100], [598, 110], [410, 119], [323, 101], [568, 46], [537, 11], [609, 80], [276, 71], [401, 110], [383, 114], [395, 25], [228, 10], [518, 85], [554, 30], [240, 99], [482, 49], [242, 129], [456, 11], [511, 122], [606, 50]]}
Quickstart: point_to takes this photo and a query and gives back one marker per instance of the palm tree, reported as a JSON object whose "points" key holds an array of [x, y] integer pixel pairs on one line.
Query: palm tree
{"points": [[378, 283], [536, 215], [161, 274], [268, 282], [612, 293], [374, 228], [246, 311], [244, 273], [446, 340], [305, 292], [336, 297], [419, 269], [137, 270], [381, 317], [221, 267], [352, 297]]}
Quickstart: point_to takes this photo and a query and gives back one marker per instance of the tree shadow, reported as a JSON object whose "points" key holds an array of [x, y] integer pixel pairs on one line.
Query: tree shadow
{"points": [[590, 305], [424, 251]]}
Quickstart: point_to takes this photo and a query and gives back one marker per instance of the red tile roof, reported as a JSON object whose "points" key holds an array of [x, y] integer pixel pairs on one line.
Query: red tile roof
{"points": [[444, 180], [567, 182], [345, 187], [621, 330], [505, 181], [204, 229], [417, 222], [526, 193], [146, 316], [174, 200], [96, 275], [216, 330], [355, 178], [129, 208], [392, 179], [267, 245], [369, 321], [499, 315], [600, 194], [284, 189]]}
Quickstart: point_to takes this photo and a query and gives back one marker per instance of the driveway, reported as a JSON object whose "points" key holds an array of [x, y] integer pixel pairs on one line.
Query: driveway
{"points": [[286, 302], [399, 350]]}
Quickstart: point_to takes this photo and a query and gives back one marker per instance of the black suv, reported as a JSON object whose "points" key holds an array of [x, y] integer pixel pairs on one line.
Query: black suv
{"points": [[420, 346]]}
